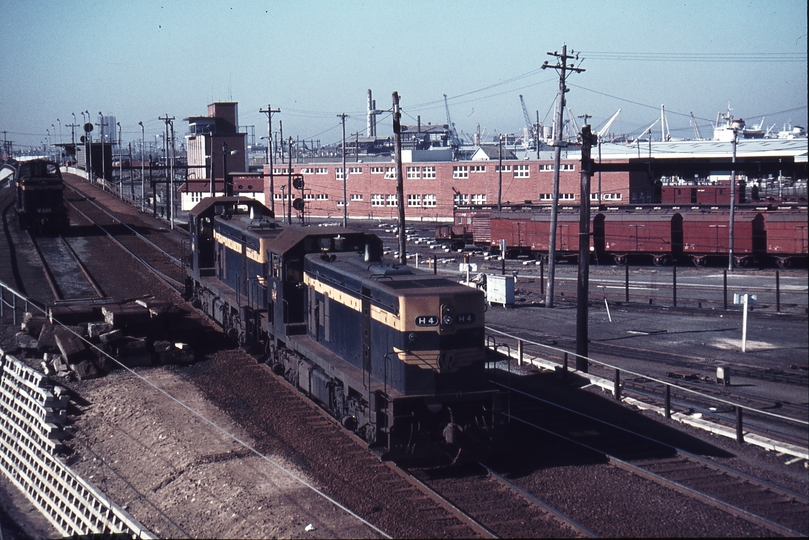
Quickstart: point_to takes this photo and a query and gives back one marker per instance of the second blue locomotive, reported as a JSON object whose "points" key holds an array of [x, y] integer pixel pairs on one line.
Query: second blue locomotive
{"points": [[394, 353]]}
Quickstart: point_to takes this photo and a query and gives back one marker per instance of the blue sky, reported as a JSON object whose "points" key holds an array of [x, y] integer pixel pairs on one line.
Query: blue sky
{"points": [[314, 60]]}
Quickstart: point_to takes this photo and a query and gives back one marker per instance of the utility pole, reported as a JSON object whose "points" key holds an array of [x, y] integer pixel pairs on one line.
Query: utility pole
{"points": [[169, 120], [345, 177], [732, 200], [500, 180], [583, 286], [269, 112], [562, 67], [397, 151], [289, 184], [101, 126]]}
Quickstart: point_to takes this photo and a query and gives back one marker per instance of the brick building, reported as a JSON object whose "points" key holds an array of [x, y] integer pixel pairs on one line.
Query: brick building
{"points": [[432, 188]]}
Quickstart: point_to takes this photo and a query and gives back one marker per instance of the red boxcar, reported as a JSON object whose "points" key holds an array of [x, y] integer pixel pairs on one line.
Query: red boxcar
{"points": [[787, 236], [707, 235], [638, 234], [718, 194], [527, 233]]}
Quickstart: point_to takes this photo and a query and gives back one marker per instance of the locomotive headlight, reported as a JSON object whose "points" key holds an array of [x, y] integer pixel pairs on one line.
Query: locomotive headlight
{"points": [[446, 315], [411, 337]]}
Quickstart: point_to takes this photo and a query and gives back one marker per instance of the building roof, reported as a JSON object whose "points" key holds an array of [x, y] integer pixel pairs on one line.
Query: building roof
{"points": [[488, 152], [771, 148]]}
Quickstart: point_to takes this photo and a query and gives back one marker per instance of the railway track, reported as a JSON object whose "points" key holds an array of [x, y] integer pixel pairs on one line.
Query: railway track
{"points": [[645, 455], [140, 242], [493, 506], [68, 277]]}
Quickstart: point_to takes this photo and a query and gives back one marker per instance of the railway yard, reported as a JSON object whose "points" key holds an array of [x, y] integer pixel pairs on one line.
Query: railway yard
{"points": [[214, 445]]}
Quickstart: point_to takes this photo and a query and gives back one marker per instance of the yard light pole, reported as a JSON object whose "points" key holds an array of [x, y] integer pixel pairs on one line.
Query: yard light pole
{"points": [[142, 147], [120, 165], [103, 165]]}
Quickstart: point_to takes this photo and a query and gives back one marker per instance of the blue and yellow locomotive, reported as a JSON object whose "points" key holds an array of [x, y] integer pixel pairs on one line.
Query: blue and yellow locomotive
{"points": [[394, 353]]}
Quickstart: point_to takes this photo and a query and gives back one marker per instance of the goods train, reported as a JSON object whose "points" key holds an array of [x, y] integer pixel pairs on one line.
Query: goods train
{"points": [[40, 205], [395, 354], [661, 234]]}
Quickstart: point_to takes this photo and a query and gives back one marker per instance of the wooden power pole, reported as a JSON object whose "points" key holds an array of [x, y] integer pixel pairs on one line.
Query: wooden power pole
{"points": [[563, 68], [397, 150]]}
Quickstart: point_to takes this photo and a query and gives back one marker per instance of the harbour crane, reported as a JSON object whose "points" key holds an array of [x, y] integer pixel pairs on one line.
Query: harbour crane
{"points": [[455, 141], [645, 131], [573, 121], [533, 136], [696, 128], [603, 131]]}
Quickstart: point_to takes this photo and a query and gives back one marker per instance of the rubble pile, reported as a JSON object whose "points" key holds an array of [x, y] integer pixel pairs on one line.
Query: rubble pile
{"points": [[87, 341]]}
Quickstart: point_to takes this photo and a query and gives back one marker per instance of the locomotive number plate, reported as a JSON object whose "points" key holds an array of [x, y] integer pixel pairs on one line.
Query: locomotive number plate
{"points": [[427, 320]]}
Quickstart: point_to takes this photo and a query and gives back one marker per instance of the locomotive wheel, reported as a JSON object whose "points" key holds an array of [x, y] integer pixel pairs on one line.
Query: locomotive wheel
{"points": [[349, 422], [278, 369]]}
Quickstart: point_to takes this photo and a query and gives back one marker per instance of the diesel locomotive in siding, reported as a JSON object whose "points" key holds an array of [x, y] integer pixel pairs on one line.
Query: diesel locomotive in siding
{"points": [[40, 204], [397, 355]]}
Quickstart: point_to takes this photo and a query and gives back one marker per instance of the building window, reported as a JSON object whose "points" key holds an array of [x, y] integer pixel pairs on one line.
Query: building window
{"points": [[545, 196], [390, 173], [567, 196], [428, 172], [461, 199], [281, 171], [338, 173], [308, 197], [479, 199], [356, 197], [611, 197], [521, 171], [413, 173], [460, 171], [567, 167], [593, 196], [355, 170], [546, 167], [377, 170], [377, 200], [321, 170], [391, 200], [504, 168], [478, 168], [413, 200], [322, 196], [307, 170], [429, 201]]}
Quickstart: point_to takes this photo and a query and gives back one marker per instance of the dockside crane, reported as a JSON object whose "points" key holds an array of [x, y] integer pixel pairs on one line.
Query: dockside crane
{"points": [[574, 123], [696, 128], [645, 131], [455, 141], [533, 136], [603, 131]]}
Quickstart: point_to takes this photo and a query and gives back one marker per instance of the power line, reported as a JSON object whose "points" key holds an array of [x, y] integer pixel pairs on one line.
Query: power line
{"points": [[770, 58]]}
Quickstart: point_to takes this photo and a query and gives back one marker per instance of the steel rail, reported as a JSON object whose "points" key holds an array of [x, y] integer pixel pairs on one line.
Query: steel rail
{"points": [[677, 486]]}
